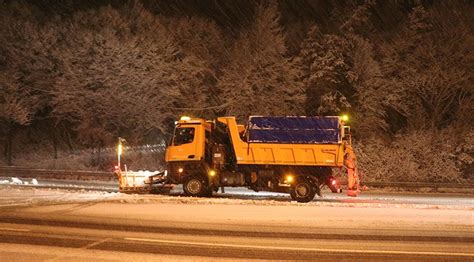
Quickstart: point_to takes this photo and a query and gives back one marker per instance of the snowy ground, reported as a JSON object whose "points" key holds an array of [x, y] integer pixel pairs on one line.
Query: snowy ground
{"points": [[455, 210], [387, 225], [18, 196], [17, 192]]}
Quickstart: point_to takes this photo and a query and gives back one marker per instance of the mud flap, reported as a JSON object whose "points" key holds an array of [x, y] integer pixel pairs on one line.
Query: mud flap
{"points": [[318, 191]]}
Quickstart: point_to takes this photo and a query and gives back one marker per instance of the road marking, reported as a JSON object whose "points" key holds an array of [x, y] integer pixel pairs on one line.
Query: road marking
{"points": [[64, 257], [14, 229], [393, 252], [95, 243]]}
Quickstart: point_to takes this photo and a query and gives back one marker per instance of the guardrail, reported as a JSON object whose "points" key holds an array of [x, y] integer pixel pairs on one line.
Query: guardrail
{"points": [[13, 171], [401, 185], [419, 186]]}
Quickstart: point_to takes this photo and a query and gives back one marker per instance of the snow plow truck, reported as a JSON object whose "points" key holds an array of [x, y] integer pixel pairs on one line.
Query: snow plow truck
{"points": [[293, 155]]}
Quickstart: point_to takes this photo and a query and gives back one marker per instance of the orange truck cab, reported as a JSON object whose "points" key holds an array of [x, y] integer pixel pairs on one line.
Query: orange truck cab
{"points": [[292, 155]]}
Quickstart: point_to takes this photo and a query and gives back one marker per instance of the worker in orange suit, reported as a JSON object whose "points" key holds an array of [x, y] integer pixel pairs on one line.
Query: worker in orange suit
{"points": [[352, 174]]}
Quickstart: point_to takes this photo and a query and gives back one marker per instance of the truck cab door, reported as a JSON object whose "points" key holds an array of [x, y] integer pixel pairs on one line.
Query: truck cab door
{"points": [[187, 144]]}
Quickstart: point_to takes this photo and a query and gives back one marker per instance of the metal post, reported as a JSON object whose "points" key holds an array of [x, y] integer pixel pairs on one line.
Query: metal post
{"points": [[119, 151]]}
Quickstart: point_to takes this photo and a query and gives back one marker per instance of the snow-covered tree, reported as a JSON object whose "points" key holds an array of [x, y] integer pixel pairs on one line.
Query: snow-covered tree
{"points": [[372, 93], [429, 63], [325, 66], [260, 79], [203, 39], [200, 37], [124, 75], [26, 71]]}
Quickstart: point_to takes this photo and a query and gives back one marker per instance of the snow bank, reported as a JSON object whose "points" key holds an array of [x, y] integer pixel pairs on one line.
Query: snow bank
{"points": [[17, 181]]}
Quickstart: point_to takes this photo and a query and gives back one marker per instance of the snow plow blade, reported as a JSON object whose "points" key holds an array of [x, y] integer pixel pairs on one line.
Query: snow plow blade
{"points": [[142, 182]]}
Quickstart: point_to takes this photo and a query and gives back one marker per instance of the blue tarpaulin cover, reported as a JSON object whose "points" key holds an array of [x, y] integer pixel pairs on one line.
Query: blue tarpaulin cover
{"points": [[293, 130]]}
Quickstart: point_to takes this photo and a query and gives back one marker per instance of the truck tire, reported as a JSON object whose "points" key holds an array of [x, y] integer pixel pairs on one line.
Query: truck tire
{"points": [[195, 186], [302, 191]]}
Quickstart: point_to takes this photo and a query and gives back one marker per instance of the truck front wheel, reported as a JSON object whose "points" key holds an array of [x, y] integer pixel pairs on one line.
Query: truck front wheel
{"points": [[303, 191], [195, 186]]}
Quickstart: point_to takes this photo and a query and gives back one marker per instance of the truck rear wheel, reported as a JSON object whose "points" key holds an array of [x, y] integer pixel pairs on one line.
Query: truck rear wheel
{"points": [[302, 191], [195, 186]]}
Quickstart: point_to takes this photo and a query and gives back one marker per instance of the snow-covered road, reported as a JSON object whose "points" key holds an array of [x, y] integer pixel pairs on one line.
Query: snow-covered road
{"points": [[237, 224], [38, 192], [239, 205]]}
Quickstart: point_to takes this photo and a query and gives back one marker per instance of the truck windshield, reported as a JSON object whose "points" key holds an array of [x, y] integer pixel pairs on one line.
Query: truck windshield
{"points": [[183, 135]]}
